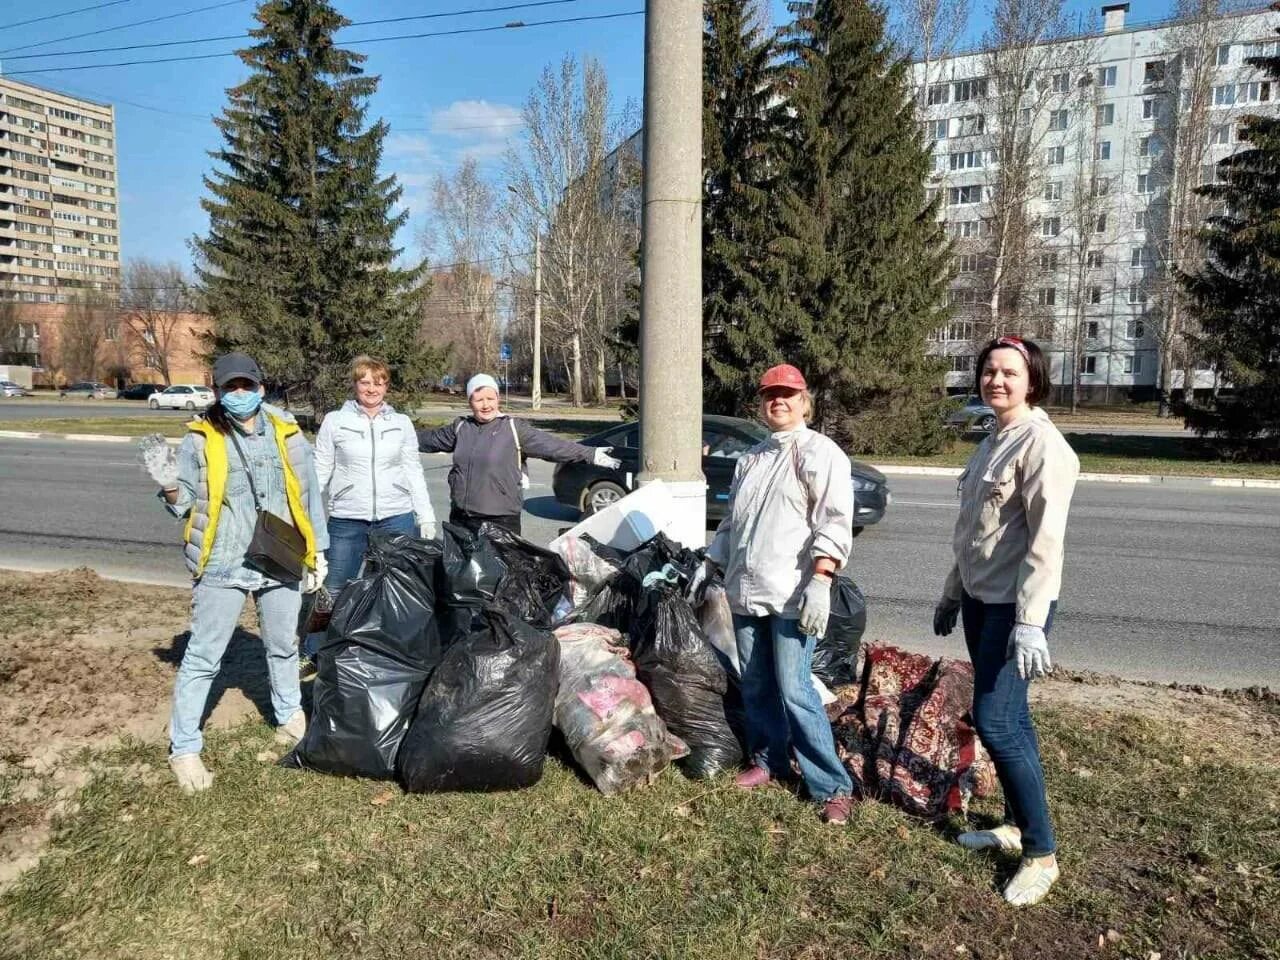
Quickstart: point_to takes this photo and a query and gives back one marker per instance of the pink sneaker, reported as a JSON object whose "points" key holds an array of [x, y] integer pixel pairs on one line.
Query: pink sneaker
{"points": [[753, 778], [836, 810]]}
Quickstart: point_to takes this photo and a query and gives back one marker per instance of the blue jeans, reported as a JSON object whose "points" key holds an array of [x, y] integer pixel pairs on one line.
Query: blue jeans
{"points": [[1003, 720], [215, 610], [783, 710], [348, 540]]}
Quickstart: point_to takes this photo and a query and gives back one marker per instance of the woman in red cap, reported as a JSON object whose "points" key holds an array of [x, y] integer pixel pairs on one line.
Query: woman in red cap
{"points": [[788, 530]]}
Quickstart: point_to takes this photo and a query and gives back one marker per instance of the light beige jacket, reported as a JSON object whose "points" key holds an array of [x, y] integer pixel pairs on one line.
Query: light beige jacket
{"points": [[791, 502], [1014, 496]]}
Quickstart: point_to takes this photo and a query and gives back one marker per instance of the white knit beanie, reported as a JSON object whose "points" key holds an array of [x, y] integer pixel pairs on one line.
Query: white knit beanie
{"points": [[479, 382]]}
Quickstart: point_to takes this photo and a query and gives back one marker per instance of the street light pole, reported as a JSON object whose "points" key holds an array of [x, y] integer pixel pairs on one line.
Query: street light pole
{"points": [[535, 398], [671, 264]]}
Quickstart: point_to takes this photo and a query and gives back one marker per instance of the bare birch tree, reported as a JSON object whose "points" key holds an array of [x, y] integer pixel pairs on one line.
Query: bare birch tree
{"points": [[84, 332], [462, 236], [927, 31], [555, 178], [155, 299]]}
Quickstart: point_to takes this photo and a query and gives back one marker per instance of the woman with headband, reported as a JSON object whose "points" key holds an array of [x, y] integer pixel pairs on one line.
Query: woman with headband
{"points": [[1014, 497]]}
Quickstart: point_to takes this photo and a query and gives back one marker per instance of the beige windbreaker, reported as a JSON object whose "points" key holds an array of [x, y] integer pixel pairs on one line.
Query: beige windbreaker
{"points": [[778, 524], [1014, 496]]}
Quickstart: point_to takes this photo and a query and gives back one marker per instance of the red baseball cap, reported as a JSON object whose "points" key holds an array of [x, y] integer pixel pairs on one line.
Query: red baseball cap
{"points": [[783, 375]]}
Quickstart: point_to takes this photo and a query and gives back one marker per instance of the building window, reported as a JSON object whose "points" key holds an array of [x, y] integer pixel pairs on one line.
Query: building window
{"points": [[1220, 133], [937, 129], [938, 94], [967, 263], [1061, 83], [1138, 296], [1133, 363], [1099, 186], [1150, 109], [1224, 54], [1047, 296], [960, 195], [1088, 365], [971, 89], [1053, 190], [1106, 76], [1050, 226], [1059, 119], [1095, 294], [1100, 225], [1102, 150], [967, 160], [1135, 329], [1091, 330], [1138, 257], [967, 229], [1209, 174], [1224, 95], [1153, 71], [1259, 91], [961, 364], [972, 126], [963, 297], [1049, 261], [1261, 48], [1140, 220], [1146, 183], [1094, 260], [1055, 156], [1105, 114]]}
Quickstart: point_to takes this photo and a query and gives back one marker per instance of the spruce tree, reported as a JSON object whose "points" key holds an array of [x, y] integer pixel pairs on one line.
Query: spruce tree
{"points": [[860, 265], [741, 121], [1236, 293], [298, 268]]}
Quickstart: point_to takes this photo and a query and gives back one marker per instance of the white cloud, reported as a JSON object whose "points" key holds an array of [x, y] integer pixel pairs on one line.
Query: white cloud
{"points": [[476, 120]]}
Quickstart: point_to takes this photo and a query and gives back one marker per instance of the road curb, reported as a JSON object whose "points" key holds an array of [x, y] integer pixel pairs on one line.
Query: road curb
{"points": [[888, 469]]}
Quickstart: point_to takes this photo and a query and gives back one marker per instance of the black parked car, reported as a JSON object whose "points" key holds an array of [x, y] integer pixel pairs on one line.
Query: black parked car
{"points": [[724, 439], [140, 391]]}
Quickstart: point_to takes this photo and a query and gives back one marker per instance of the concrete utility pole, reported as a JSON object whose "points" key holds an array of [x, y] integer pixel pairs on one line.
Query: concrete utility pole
{"points": [[671, 263], [535, 398]]}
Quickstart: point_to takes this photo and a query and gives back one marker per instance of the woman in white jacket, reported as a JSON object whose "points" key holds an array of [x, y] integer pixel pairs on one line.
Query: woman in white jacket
{"points": [[367, 458]]}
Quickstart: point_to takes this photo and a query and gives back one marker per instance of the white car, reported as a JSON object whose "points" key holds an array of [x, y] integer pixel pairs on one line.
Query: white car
{"points": [[182, 396]]}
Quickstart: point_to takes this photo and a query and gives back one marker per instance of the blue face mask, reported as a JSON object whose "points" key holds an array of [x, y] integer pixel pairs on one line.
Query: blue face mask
{"points": [[241, 404]]}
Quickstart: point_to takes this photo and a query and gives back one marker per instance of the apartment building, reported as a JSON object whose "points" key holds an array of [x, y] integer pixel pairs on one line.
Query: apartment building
{"points": [[1080, 246], [59, 197]]}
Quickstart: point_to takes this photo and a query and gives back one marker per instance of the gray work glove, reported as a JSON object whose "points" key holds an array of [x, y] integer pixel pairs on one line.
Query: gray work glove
{"points": [[698, 582], [815, 606], [601, 458], [1031, 648], [945, 615], [159, 460], [314, 579]]}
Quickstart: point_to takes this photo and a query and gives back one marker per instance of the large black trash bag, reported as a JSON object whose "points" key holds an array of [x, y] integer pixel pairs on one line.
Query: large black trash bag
{"points": [[471, 567], [615, 602], [835, 658], [381, 646], [541, 570], [485, 717], [683, 673]]}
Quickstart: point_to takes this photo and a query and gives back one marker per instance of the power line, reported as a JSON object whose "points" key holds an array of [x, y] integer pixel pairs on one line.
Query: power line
{"points": [[517, 24], [124, 26], [241, 36], [65, 13]]}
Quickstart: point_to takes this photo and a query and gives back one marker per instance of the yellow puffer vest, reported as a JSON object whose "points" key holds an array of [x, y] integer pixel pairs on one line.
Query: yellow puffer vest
{"points": [[202, 521]]}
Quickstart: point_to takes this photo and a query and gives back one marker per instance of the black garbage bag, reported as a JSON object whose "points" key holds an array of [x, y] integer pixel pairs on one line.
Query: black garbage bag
{"points": [[542, 571], [380, 648], [485, 717], [615, 602], [835, 657], [471, 567], [683, 673]]}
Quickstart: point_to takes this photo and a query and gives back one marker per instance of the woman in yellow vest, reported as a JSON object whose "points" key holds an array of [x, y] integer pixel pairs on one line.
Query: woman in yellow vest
{"points": [[241, 457]]}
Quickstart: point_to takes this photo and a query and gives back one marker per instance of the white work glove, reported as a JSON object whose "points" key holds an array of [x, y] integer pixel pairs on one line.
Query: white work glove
{"points": [[698, 582], [315, 578], [602, 459], [815, 606], [1031, 648], [427, 530], [945, 615], [159, 460]]}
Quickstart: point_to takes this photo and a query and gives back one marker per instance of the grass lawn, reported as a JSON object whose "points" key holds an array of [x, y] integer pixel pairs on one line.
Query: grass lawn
{"points": [[1167, 845], [104, 426], [1102, 453]]}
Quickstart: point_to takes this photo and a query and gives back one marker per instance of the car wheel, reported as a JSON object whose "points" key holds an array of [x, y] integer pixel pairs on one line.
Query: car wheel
{"points": [[601, 496], [987, 423], [191, 405], [153, 404]]}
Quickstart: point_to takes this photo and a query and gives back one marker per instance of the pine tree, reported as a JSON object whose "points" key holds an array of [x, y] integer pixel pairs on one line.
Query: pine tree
{"points": [[1236, 293], [741, 121], [857, 280], [298, 268]]}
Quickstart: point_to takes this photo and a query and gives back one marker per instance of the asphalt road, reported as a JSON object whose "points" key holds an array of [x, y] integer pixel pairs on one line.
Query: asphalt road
{"points": [[1170, 583]]}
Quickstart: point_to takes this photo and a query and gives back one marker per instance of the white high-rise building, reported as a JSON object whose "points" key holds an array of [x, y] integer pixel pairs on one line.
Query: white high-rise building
{"points": [[1115, 130]]}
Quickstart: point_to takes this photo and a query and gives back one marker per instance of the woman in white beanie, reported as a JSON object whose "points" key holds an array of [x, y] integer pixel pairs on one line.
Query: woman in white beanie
{"points": [[489, 449]]}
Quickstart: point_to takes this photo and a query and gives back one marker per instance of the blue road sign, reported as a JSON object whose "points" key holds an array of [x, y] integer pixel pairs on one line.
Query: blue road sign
{"points": [[504, 353]]}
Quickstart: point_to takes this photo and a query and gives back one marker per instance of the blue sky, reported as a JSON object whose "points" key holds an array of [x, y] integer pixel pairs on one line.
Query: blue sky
{"points": [[445, 98]]}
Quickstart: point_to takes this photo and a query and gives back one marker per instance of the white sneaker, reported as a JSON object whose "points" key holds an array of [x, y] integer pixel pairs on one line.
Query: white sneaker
{"points": [[1032, 881], [191, 772], [1005, 838], [291, 731]]}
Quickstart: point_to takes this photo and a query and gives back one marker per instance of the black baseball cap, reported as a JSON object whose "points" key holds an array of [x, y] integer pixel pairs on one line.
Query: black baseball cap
{"points": [[229, 366]]}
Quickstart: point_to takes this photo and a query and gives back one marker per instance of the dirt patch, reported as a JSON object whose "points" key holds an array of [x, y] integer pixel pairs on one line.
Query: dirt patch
{"points": [[85, 662]]}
